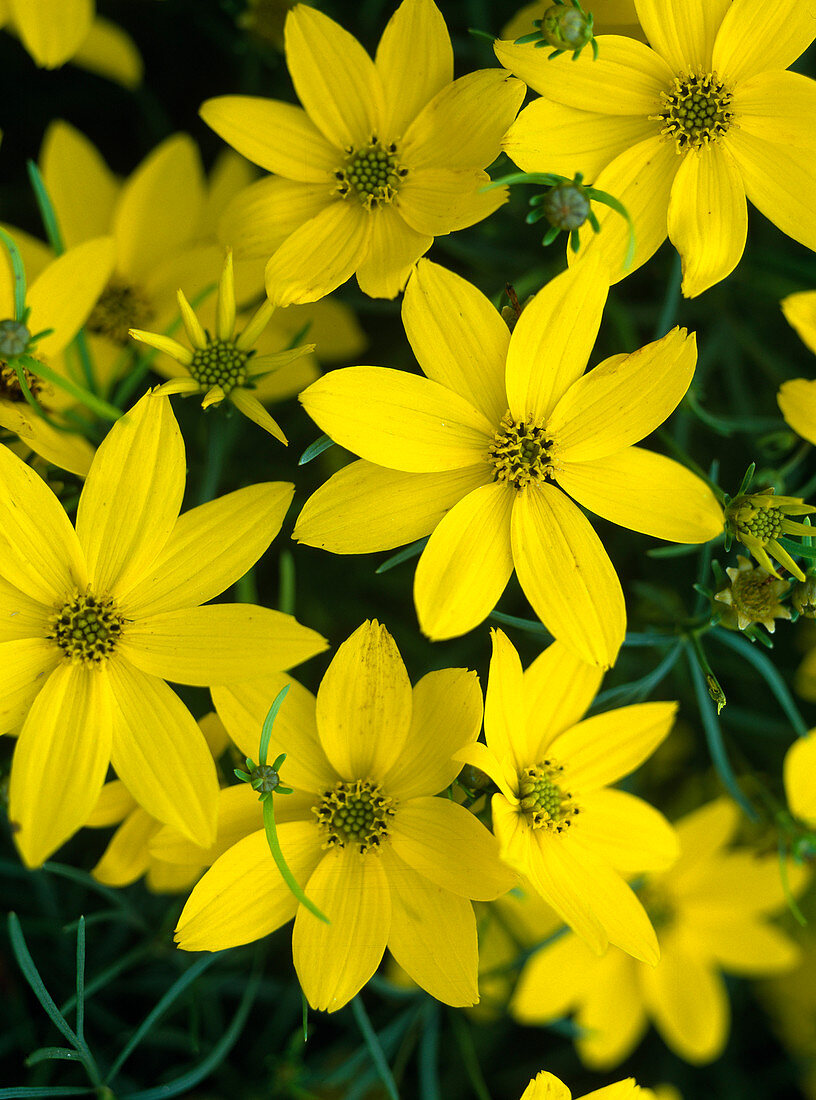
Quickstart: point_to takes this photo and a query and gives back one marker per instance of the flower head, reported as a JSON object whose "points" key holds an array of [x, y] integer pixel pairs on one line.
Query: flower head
{"points": [[680, 132], [484, 450], [752, 597], [93, 620], [384, 156], [224, 366], [546, 1086], [760, 520], [557, 822], [387, 862]]}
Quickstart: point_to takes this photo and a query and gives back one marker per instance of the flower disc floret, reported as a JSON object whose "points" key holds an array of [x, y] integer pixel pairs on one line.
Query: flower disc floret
{"points": [[220, 363], [546, 804], [10, 389], [520, 452], [371, 174], [696, 110], [87, 628], [121, 307], [355, 814]]}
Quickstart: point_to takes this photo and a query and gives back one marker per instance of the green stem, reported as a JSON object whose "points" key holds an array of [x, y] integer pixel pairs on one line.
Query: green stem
{"points": [[18, 271], [79, 393], [280, 862]]}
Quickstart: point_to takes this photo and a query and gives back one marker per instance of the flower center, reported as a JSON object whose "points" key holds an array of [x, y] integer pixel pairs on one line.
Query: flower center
{"points": [[220, 363], [87, 628], [755, 593], [372, 174], [658, 905], [355, 813], [10, 388], [546, 804], [120, 307], [763, 523], [520, 452], [696, 111]]}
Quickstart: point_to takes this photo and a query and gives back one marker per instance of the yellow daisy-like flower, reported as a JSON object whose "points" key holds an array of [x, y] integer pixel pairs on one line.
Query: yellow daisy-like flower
{"points": [[224, 366], [93, 620], [797, 397], [545, 1086], [557, 823], [753, 596], [681, 132], [60, 297], [479, 452], [759, 520], [383, 156], [387, 862], [711, 911]]}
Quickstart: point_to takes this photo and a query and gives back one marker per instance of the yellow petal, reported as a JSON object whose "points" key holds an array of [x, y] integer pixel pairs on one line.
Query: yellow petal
{"points": [[160, 753], [110, 52], [414, 60], [277, 136], [683, 35], [542, 994], [60, 761], [80, 185], [114, 804], [169, 878], [505, 705], [603, 749], [688, 1002], [463, 125], [545, 1086], [316, 258], [363, 507], [168, 346], [20, 616], [778, 180], [364, 705], [394, 246], [39, 550], [132, 495], [613, 1018], [621, 401], [800, 311], [126, 857], [432, 935], [160, 206], [26, 664], [566, 575], [332, 326], [446, 715], [800, 784], [552, 340], [260, 217], [702, 833], [334, 961], [746, 947], [218, 644], [243, 897], [440, 200], [334, 78], [645, 492], [246, 403], [444, 842], [63, 295], [777, 107], [240, 814], [52, 30], [398, 420], [549, 137], [467, 563], [708, 218], [743, 46], [457, 336], [63, 449], [558, 689], [210, 547], [627, 832], [500, 771], [627, 78]]}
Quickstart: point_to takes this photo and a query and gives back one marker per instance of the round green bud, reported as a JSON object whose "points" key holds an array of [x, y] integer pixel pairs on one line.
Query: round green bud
{"points": [[566, 28], [14, 338], [566, 206], [263, 779]]}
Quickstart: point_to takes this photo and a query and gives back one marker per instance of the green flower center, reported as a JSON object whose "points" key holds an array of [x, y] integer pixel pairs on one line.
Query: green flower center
{"points": [[696, 111], [546, 804], [220, 363], [763, 523], [120, 307], [755, 594], [520, 453], [372, 174], [355, 813], [87, 628], [10, 388], [658, 905]]}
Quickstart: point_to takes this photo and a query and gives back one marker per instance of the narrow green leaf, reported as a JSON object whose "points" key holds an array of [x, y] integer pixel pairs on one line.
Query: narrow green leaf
{"points": [[46, 208], [321, 444], [52, 1054], [269, 722], [32, 976], [18, 274], [80, 980], [528, 625], [769, 672], [102, 408], [408, 552], [374, 1048], [275, 848]]}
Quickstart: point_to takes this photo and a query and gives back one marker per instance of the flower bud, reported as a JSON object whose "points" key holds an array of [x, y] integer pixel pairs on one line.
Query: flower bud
{"points": [[14, 338], [566, 27], [803, 596], [566, 206]]}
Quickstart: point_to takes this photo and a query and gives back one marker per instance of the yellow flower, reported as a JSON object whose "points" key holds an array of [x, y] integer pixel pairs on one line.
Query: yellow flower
{"points": [[752, 597], [384, 156], [479, 451], [61, 297], [711, 913], [93, 621], [557, 823], [797, 398], [800, 778], [682, 132], [545, 1086], [224, 367], [611, 17], [760, 520], [389, 864]]}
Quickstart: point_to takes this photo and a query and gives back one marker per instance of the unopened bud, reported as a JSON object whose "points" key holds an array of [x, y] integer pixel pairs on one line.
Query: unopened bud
{"points": [[566, 27]]}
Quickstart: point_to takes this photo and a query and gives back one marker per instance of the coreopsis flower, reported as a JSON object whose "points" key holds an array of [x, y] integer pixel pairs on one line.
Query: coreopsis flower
{"points": [[759, 520], [610, 17], [752, 597], [797, 397], [711, 911], [546, 1086], [94, 620], [557, 821], [384, 156], [479, 452], [60, 297], [681, 132], [224, 366], [389, 864]]}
